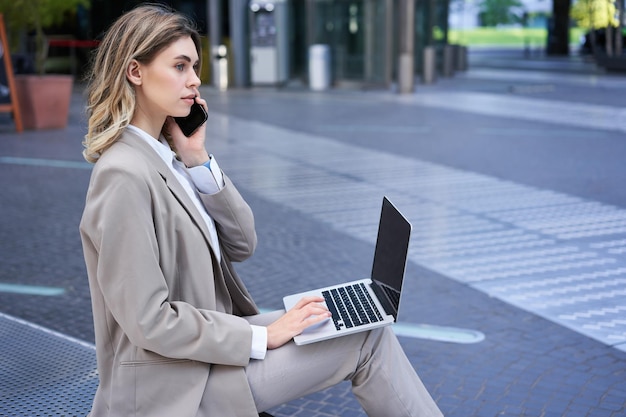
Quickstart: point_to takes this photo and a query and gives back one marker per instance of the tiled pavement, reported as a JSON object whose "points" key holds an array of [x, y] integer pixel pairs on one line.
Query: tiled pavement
{"points": [[511, 180]]}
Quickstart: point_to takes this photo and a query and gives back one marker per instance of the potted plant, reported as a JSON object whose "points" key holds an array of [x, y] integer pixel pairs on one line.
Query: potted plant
{"points": [[44, 99]]}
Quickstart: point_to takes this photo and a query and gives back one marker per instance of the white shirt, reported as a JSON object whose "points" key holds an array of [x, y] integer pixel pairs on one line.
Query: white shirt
{"points": [[206, 180]]}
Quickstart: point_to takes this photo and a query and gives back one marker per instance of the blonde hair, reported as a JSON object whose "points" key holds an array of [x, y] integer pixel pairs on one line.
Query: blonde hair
{"points": [[140, 35]]}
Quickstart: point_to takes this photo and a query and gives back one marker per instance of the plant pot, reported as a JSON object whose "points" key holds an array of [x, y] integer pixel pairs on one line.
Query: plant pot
{"points": [[44, 100]]}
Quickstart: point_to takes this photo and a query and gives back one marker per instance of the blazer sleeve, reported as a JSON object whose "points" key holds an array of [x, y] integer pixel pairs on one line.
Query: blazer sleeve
{"points": [[234, 221], [122, 256]]}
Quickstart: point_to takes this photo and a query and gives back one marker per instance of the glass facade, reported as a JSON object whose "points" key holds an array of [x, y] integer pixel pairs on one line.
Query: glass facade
{"points": [[359, 34], [431, 28], [362, 34]]}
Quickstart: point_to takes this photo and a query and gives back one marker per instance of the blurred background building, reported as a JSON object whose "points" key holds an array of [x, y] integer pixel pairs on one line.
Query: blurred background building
{"points": [[362, 35], [344, 43]]}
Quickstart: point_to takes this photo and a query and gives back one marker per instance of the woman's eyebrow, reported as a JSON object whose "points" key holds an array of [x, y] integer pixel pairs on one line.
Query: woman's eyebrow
{"points": [[184, 57]]}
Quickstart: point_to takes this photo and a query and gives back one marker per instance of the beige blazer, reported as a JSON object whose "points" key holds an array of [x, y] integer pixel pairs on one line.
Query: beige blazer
{"points": [[169, 341]]}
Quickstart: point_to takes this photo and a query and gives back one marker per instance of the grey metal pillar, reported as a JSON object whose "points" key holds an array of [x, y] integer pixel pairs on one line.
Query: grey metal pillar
{"points": [[239, 40], [406, 73], [429, 73], [447, 66], [214, 18]]}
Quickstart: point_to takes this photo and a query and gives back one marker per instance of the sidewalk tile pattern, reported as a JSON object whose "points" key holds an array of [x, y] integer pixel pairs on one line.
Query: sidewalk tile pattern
{"points": [[555, 255]]}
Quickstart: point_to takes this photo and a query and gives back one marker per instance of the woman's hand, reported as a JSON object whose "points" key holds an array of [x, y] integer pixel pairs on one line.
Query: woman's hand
{"points": [[191, 150], [307, 312]]}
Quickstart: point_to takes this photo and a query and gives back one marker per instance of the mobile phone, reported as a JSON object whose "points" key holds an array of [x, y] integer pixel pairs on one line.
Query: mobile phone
{"points": [[189, 124]]}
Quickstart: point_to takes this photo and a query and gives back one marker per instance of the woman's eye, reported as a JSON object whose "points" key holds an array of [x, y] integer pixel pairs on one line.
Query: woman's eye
{"points": [[180, 67]]}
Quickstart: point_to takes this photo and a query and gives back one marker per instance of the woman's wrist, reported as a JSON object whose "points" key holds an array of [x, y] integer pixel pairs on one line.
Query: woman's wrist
{"points": [[195, 160]]}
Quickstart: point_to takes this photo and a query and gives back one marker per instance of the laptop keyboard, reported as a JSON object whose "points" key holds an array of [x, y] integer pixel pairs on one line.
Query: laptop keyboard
{"points": [[351, 306]]}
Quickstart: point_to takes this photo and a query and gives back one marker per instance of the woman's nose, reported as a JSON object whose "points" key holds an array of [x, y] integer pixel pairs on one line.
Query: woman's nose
{"points": [[195, 80]]}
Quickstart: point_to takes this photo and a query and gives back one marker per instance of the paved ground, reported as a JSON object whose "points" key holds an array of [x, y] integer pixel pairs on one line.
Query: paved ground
{"points": [[512, 174]]}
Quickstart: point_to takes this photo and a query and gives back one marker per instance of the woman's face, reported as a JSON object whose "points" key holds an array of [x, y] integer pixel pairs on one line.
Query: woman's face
{"points": [[169, 83]]}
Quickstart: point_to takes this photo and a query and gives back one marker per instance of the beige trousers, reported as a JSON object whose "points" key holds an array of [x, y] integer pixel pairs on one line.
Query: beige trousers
{"points": [[382, 377]]}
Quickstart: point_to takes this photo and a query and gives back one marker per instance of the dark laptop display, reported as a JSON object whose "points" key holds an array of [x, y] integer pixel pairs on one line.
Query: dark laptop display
{"points": [[390, 257]]}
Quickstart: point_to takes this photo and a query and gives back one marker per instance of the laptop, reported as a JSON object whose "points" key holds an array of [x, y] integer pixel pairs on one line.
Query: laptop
{"points": [[369, 303]]}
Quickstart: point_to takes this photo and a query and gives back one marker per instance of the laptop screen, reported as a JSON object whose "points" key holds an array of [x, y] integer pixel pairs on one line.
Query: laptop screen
{"points": [[390, 255]]}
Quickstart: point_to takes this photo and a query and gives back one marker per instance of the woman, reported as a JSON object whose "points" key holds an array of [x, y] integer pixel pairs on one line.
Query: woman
{"points": [[177, 333]]}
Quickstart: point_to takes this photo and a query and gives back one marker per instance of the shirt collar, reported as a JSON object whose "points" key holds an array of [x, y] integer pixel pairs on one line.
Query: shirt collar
{"points": [[162, 149]]}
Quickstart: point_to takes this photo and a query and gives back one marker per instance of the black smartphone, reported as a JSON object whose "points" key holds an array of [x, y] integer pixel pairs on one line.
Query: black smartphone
{"points": [[191, 123]]}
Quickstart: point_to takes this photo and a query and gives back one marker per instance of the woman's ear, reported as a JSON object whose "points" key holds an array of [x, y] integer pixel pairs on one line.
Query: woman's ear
{"points": [[133, 72]]}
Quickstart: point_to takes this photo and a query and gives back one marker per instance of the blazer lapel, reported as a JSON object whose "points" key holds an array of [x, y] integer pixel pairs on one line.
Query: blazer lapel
{"points": [[170, 180]]}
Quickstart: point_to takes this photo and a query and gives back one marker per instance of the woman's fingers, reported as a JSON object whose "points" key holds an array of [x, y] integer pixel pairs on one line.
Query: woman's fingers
{"points": [[307, 300], [311, 310], [307, 312]]}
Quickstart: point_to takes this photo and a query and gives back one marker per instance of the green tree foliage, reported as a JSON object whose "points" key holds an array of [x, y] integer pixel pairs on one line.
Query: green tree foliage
{"points": [[37, 15], [591, 14], [500, 12]]}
